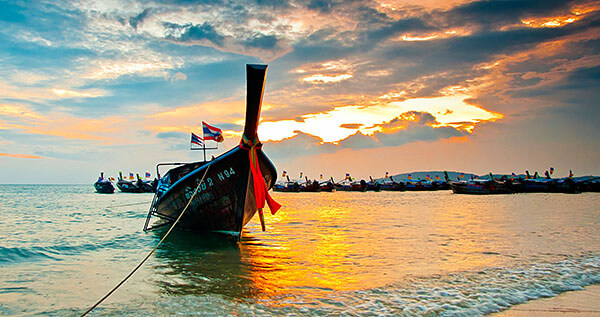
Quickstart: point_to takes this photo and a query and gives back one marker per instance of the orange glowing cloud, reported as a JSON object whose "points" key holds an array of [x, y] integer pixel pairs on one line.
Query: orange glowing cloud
{"points": [[21, 156], [333, 126], [320, 78], [417, 37], [189, 118], [576, 13], [107, 129], [43, 94], [328, 72]]}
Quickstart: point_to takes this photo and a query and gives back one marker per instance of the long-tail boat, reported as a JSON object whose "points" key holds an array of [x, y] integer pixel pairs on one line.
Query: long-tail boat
{"points": [[373, 185], [588, 184], [310, 186], [348, 185], [328, 185], [104, 185], [127, 186], [230, 188], [144, 186], [481, 187], [288, 186], [545, 185], [421, 185], [392, 185]]}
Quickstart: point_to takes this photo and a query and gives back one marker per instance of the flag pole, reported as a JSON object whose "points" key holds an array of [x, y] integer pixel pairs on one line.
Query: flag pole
{"points": [[204, 149]]}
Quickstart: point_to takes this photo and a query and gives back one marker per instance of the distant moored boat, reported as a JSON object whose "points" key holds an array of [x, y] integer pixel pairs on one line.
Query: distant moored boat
{"points": [[104, 185]]}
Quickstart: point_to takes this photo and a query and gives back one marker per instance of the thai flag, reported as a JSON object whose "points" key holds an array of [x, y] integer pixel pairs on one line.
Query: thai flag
{"points": [[147, 174], [197, 140], [212, 133]]}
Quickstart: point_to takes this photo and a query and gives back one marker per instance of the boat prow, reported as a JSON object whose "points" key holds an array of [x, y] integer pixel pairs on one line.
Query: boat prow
{"points": [[229, 188]]}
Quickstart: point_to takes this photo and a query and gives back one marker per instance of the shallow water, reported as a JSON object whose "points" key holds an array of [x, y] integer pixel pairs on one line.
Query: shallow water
{"points": [[64, 247]]}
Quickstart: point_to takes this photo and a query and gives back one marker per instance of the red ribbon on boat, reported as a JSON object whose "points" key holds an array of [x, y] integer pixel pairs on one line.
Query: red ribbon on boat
{"points": [[261, 192]]}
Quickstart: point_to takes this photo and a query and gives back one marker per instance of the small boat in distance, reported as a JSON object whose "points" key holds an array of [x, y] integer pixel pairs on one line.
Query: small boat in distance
{"points": [[351, 184], [328, 185], [591, 184], [104, 185], [480, 187], [223, 194], [128, 186], [286, 186], [392, 185], [146, 186], [310, 186], [372, 185]]}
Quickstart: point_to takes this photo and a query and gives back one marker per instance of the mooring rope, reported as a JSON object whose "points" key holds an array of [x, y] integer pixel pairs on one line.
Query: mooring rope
{"points": [[127, 205], [151, 252]]}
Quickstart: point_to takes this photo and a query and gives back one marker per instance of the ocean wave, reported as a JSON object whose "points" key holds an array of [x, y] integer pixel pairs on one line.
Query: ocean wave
{"points": [[473, 293], [460, 294], [16, 255]]}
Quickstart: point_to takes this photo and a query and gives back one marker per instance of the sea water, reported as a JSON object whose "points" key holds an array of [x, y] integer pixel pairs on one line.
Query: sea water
{"points": [[388, 253]]}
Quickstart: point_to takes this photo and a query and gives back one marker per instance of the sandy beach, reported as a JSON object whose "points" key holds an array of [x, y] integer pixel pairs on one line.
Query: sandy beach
{"points": [[585, 302]]}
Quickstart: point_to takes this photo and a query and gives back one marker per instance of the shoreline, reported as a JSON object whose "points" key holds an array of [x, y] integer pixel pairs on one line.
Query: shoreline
{"points": [[585, 302]]}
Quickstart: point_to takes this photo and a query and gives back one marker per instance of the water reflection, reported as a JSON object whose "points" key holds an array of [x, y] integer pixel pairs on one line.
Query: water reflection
{"points": [[321, 245], [192, 264]]}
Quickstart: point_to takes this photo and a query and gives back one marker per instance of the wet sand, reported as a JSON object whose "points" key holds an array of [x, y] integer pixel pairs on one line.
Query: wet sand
{"points": [[585, 302]]}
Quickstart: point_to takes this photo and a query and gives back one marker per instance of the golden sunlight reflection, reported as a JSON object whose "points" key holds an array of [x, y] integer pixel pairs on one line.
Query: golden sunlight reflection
{"points": [[354, 243], [332, 126]]}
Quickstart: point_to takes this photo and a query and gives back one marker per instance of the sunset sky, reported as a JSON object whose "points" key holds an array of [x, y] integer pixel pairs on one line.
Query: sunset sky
{"points": [[364, 87]]}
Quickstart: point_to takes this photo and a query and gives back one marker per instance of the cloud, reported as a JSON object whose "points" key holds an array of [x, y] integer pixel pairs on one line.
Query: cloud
{"points": [[301, 143], [351, 125], [196, 33], [344, 75], [178, 76], [172, 135], [21, 156], [498, 12], [262, 41], [138, 19], [408, 127]]}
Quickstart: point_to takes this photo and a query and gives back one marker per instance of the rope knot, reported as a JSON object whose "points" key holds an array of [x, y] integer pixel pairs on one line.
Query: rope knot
{"points": [[261, 192]]}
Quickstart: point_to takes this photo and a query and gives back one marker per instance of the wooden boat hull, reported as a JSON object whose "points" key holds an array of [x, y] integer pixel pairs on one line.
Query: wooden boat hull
{"points": [[310, 187], [147, 186], [373, 186], [566, 186], [479, 189], [396, 187], [225, 200], [327, 187], [128, 187], [219, 195], [589, 186], [290, 187], [420, 187], [104, 187], [354, 187]]}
